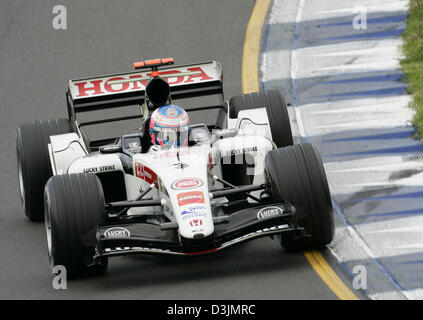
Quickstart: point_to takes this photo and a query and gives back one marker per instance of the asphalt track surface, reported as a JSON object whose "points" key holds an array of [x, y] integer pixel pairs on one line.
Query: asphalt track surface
{"points": [[106, 37]]}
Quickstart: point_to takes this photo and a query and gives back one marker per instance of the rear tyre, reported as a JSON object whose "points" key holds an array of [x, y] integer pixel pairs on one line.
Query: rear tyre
{"points": [[34, 168], [279, 123], [74, 206], [296, 174], [277, 113]]}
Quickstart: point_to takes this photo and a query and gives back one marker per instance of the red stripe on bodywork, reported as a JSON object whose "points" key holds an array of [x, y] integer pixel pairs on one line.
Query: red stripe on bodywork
{"points": [[201, 252]]}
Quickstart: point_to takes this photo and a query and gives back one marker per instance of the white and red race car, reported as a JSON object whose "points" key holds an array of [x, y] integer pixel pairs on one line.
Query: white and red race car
{"points": [[240, 177]]}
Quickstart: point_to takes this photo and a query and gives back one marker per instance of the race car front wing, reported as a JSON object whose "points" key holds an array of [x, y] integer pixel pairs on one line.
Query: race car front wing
{"points": [[238, 226]]}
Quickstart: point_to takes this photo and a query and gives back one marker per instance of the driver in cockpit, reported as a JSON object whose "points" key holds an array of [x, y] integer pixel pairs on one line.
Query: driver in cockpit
{"points": [[169, 126]]}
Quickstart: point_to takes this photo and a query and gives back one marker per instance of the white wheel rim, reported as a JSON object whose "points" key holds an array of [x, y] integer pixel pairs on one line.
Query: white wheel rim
{"points": [[21, 182], [47, 223]]}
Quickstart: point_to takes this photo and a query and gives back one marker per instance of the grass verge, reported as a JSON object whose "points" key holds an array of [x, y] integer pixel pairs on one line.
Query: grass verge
{"points": [[412, 65]]}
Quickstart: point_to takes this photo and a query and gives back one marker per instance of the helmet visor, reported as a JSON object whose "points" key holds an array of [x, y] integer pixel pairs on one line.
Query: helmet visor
{"points": [[177, 136]]}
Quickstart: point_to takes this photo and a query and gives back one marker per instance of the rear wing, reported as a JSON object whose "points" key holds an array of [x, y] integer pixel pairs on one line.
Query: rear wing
{"points": [[119, 90]]}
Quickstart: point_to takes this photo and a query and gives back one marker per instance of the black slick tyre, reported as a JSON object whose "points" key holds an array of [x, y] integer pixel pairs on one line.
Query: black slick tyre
{"points": [[74, 207], [296, 174], [34, 168]]}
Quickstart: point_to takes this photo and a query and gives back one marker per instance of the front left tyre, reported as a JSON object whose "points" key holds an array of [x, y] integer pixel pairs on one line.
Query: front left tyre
{"points": [[34, 168], [74, 207], [296, 174]]}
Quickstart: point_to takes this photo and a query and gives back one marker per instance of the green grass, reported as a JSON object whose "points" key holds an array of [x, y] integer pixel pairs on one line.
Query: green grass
{"points": [[413, 63]]}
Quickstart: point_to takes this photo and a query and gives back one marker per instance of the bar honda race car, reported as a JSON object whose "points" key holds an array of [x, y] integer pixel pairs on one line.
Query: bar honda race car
{"points": [[239, 178]]}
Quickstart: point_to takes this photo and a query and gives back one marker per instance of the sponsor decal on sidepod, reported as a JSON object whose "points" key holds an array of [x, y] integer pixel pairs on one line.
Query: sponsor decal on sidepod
{"points": [[99, 169], [145, 173], [269, 212]]}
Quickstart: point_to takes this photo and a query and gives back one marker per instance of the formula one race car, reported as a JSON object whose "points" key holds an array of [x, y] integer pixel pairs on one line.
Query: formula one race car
{"points": [[238, 178]]}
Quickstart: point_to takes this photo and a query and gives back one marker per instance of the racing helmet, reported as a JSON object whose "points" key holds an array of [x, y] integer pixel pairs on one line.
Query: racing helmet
{"points": [[169, 126]]}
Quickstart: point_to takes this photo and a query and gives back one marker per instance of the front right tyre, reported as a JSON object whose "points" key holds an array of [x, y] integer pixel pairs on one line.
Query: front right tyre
{"points": [[74, 207]]}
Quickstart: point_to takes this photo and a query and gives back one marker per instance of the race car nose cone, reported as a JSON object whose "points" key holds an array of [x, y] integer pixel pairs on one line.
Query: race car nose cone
{"points": [[198, 236]]}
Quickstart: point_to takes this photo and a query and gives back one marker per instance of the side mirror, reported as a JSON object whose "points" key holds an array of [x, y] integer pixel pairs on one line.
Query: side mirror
{"points": [[114, 148]]}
